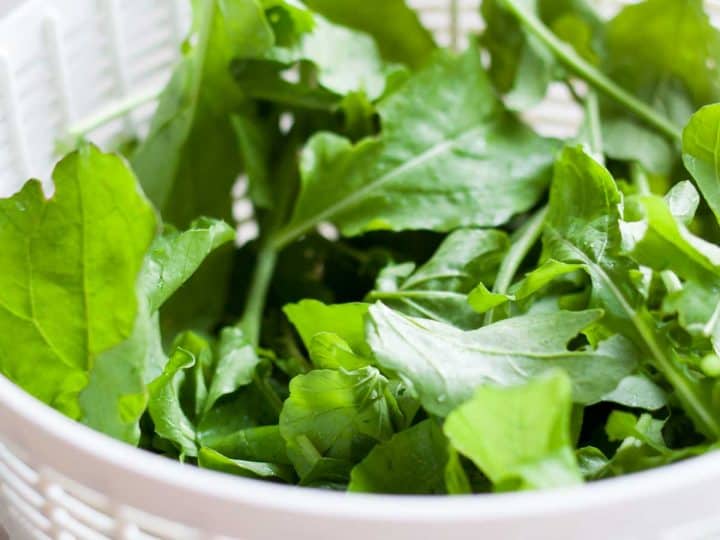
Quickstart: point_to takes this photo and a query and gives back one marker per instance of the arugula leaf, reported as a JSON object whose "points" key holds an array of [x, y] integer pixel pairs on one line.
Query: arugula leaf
{"points": [[444, 365], [391, 181], [642, 444], [438, 289], [330, 351], [190, 159], [405, 40], [667, 53], [123, 371], [171, 421], [583, 227], [700, 153], [59, 257], [422, 451], [335, 414], [165, 271], [519, 436], [482, 300], [210, 459], [260, 443], [236, 365], [347, 321]]}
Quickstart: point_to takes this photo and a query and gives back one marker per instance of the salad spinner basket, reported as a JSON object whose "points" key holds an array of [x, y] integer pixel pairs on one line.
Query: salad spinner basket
{"points": [[64, 62]]}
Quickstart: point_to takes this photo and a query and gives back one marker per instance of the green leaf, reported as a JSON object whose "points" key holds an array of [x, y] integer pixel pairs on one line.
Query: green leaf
{"points": [[519, 436], [701, 151], [667, 53], [444, 365], [411, 462], [521, 66], [347, 321], [263, 443], [405, 40], [175, 256], [638, 392], [456, 479], [236, 365], [482, 300], [438, 289], [70, 270], [190, 159], [642, 444], [335, 414], [210, 459], [330, 351], [583, 228], [171, 421], [393, 181]]}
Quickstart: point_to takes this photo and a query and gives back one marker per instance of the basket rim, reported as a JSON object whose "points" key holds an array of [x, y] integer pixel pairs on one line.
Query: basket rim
{"points": [[88, 446]]}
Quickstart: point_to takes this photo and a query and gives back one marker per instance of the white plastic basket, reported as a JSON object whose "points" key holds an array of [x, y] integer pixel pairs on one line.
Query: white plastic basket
{"points": [[62, 61]]}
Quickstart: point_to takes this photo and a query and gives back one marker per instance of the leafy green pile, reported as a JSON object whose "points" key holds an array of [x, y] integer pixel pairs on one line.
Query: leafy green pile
{"points": [[440, 300]]}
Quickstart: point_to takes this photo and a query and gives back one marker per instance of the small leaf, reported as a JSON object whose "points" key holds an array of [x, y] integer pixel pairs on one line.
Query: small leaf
{"points": [[519, 436]]}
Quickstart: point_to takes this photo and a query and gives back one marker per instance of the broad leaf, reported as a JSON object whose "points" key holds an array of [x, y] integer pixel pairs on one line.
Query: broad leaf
{"points": [[444, 365], [68, 289], [449, 156]]}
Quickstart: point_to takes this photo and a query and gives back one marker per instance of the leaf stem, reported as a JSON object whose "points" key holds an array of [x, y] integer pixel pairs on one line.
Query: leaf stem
{"points": [[642, 184], [522, 242], [113, 111], [259, 286], [579, 66], [594, 126]]}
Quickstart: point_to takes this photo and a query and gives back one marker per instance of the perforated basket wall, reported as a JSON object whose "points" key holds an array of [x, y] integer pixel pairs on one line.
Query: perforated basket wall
{"points": [[64, 61]]}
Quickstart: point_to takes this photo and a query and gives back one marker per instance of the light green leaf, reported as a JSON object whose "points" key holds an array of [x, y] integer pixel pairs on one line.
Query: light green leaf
{"points": [[58, 312], [171, 421], [482, 300], [444, 365], [446, 146], [347, 321], [330, 351], [411, 462], [519, 436]]}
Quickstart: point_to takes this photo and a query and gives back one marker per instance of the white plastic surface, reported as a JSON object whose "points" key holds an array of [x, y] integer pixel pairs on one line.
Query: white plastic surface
{"points": [[61, 61]]}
